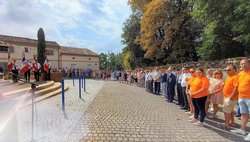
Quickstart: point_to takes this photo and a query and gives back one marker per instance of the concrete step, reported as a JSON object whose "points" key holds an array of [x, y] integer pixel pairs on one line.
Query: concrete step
{"points": [[45, 93], [27, 88], [55, 86]]}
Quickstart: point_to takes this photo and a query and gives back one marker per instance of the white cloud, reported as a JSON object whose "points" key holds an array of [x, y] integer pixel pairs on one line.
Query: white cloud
{"points": [[67, 21]]}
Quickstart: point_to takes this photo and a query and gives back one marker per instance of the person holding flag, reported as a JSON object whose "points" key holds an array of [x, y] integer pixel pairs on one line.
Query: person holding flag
{"points": [[10, 64], [25, 69], [14, 71], [36, 67], [23, 57], [47, 68]]}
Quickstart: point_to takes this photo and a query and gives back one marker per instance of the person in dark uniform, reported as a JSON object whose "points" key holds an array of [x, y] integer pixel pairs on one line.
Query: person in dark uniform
{"points": [[14, 71], [36, 69], [171, 81]]}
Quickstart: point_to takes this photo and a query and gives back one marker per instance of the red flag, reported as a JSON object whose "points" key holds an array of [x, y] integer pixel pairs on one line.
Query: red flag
{"points": [[35, 67], [46, 67], [9, 67], [25, 68]]}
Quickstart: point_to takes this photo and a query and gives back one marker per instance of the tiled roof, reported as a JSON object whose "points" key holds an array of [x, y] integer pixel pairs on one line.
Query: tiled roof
{"points": [[77, 51], [23, 40]]}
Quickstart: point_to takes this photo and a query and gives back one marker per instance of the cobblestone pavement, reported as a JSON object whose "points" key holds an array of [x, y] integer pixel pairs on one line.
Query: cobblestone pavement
{"points": [[127, 113], [51, 124]]}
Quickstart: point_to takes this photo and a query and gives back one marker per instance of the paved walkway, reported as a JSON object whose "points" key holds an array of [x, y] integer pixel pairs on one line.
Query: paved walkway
{"points": [[109, 111], [127, 113], [50, 123]]}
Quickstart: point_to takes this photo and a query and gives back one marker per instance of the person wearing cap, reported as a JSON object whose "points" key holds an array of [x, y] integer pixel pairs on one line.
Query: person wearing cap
{"points": [[179, 91], [185, 76]]}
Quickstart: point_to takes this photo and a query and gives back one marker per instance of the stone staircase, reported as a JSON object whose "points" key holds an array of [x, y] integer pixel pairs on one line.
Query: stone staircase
{"points": [[43, 91]]}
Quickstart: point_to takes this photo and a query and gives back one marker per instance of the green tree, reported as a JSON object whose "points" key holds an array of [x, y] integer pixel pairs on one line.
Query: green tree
{"points": [[41, 47], [226, 29], [132, 51], [167, 32], [103, 61]]}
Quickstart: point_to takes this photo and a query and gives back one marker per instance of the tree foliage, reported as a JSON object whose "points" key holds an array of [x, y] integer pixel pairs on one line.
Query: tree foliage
{"points": [[226, 28], [111, 61], [133, 52], [170, 31], [41, 47]]}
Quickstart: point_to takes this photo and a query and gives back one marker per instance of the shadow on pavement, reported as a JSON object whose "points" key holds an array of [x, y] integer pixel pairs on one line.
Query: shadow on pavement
{"points": [[214, 125]]}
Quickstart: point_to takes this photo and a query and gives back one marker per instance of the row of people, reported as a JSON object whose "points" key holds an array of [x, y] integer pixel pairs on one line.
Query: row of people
{"points": [[196, 92], [26, 67]]}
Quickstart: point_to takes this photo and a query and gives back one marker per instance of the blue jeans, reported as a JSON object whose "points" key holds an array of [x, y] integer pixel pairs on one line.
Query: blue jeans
{"points": [[170, 93]]}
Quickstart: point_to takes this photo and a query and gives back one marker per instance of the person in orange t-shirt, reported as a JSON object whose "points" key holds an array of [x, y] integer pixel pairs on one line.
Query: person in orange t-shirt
{"points": [[230, 95], [199, 91], [244, 97], [189, 81]]}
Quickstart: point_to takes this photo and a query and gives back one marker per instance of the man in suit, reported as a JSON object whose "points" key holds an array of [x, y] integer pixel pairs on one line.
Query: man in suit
{"points": [[171, 81]]}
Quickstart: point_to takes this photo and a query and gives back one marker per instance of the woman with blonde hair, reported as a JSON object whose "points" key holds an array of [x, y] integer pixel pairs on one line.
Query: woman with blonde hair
{"points": [[216, 91]]}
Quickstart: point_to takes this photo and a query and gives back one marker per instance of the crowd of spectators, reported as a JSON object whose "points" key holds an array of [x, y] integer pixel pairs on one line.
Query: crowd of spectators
{"points": [[199, 92]]}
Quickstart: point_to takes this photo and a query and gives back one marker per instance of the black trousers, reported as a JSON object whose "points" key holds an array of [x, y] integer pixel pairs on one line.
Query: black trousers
{"points": [[179, 94], [185, 100], [36, 75], [157, 88], [199, 107], [151, 82], [47, 75], [14, 75], [27, 76]]}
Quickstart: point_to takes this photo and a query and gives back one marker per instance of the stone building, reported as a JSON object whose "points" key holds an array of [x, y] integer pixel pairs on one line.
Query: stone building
{"points": [[59, 56]]}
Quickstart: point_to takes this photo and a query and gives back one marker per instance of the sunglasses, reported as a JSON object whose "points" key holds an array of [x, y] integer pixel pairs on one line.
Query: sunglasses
{"points": [[227, 70], [192, 71]]}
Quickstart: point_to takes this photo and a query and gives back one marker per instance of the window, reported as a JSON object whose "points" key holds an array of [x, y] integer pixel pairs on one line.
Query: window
{"points": [[49, 52], [89, 66], [4, 48], [73, 66]]}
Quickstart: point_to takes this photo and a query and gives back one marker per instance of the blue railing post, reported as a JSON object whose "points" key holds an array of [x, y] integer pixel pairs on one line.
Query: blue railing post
{"points": [[63, 103], [84, 83], [80, 88]]}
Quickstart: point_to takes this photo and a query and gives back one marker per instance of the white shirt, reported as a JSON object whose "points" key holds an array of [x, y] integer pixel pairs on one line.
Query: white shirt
{"points": [[157, 76], [184, 79]]}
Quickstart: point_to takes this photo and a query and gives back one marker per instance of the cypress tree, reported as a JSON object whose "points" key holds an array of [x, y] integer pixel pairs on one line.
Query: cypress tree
{"points": [[41, 46]]}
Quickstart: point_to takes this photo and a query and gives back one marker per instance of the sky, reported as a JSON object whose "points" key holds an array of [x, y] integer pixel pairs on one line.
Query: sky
{"points": [[93, 24]]}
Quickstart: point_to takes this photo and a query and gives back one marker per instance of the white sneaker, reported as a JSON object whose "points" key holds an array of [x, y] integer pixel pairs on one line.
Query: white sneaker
{"points": [[247, 138], [191, 117], [200, 124], [238, 131], [193, 120]]}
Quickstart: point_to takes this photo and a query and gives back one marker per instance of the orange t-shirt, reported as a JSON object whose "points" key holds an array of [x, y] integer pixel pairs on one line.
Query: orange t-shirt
{"points": [[198, 83], [229, 85], [244, 85]]}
